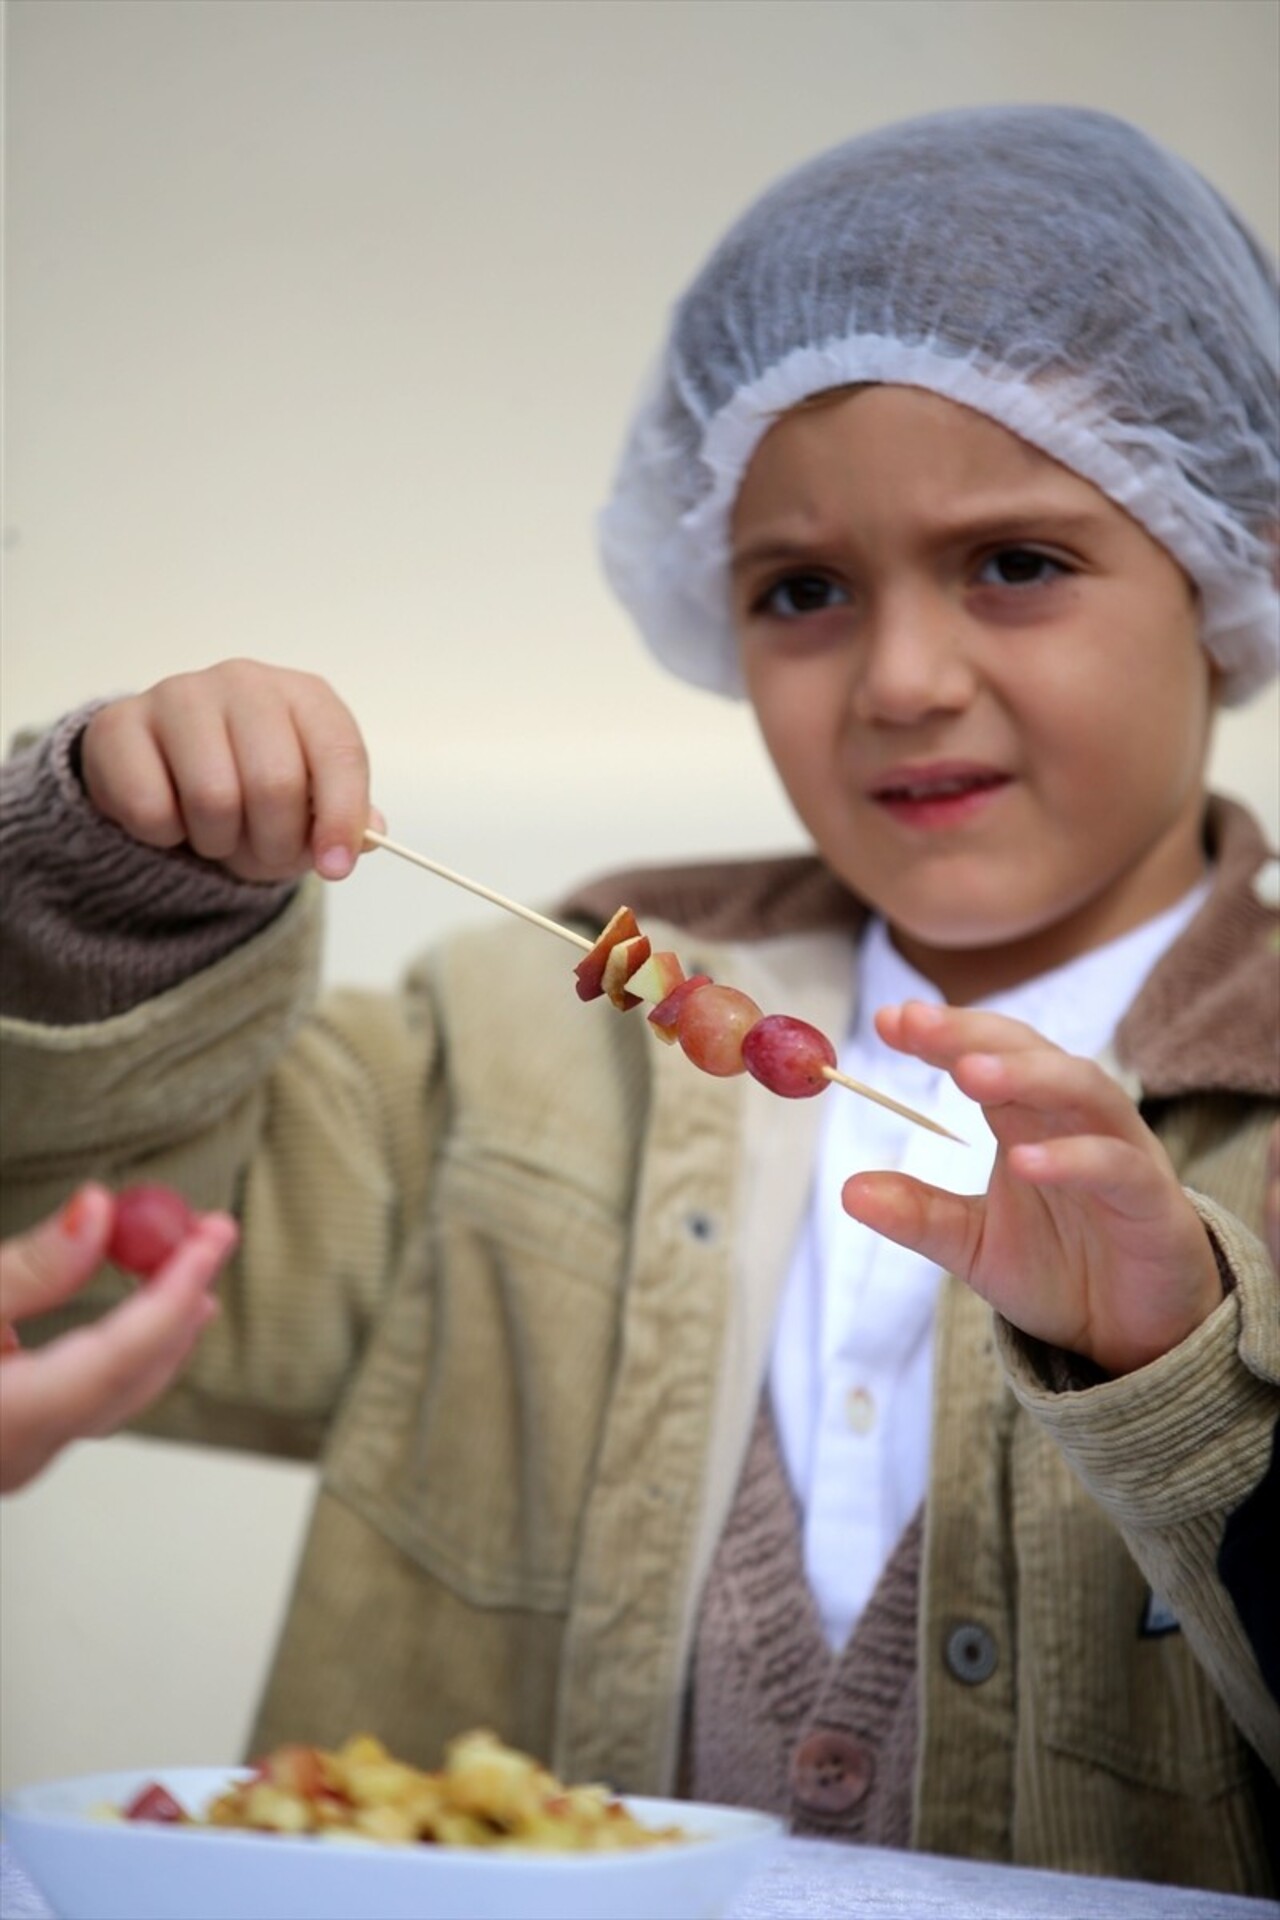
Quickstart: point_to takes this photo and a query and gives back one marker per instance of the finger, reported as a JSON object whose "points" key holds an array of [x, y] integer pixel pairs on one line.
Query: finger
{"points": [[940, 1035], [146, 1339], [1071, 1094], [1124, 1177], [339, 768], [91, 1381], [943, 1227], [126, 775], [274, 784], [152, 1378], [41, 1268], [193, 736], [50, 1398]]}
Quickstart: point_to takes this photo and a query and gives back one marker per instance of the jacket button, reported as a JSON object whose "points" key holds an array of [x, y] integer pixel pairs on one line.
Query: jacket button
{"points": [[970, 1654], [830, 1772]]}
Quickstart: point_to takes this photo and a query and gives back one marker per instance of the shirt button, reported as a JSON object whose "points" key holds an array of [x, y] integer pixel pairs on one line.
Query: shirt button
{"points": [[970, 1653], [1266, 883], [830, 1772], [859, 1410]]}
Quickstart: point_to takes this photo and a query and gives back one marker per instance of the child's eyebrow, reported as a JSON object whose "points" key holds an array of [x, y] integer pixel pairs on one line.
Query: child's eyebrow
{"points": [[1028, 521]]}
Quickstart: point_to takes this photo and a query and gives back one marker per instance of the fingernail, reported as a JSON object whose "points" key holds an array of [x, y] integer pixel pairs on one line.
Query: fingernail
{"points": [[77, 1214], [334, 863]]}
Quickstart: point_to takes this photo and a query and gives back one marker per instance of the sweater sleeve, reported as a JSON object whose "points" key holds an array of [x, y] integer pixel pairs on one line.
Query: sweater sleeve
{"points": [[1174, 1453], [94, 922], [164, 1023]]}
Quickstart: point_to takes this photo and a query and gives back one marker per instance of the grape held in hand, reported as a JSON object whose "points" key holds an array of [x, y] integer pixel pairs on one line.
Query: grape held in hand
{"points": [[151, 1223]]}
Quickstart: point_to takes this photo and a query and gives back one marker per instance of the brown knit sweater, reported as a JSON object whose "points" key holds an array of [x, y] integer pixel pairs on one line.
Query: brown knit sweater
{"points": [[777, 1720]]}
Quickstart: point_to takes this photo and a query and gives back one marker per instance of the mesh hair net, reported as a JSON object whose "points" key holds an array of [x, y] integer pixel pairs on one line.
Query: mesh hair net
{"points": [[1052, 268]]}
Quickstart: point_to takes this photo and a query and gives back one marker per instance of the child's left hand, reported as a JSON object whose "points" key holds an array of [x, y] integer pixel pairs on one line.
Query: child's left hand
{"points": [[1084, 1238]]}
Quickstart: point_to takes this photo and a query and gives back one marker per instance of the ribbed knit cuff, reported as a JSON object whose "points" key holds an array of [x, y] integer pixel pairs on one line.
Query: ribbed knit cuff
{"points": [[1187, 1434], [94, 922]]}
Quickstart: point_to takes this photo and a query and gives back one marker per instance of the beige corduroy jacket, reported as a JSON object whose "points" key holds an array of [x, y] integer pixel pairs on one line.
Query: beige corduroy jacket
{"points": [[509, 1270]]}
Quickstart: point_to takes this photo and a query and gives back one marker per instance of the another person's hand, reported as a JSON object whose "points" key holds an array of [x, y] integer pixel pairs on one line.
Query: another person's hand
{"points": [[260, 768], [88, 1382], [1084, 1237]]}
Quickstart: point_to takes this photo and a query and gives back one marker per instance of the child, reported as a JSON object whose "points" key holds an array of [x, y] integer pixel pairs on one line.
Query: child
{"points": [[961, 460]]}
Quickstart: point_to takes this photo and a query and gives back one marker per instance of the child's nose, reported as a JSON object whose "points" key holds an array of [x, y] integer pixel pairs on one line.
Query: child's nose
{"points": [[911, 662]]}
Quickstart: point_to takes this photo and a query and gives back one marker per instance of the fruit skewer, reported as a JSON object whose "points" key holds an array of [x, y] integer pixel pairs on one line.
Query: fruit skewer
{"points": [[821, 1070]]}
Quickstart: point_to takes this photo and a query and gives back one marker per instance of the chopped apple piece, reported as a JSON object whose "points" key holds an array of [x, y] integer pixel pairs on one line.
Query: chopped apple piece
{"points": [[667, 1012], [622, 962], [659, 975], [590, 970]]}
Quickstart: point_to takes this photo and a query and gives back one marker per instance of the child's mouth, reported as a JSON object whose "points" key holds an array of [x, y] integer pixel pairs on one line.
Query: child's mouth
{"points": [[938, 796]]}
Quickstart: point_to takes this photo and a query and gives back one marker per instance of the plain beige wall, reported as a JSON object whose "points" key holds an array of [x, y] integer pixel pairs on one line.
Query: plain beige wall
{"points": [[323, 319]]}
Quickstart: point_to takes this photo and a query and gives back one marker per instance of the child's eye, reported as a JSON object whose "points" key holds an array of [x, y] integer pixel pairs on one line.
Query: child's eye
{"points": [[799, 594], [1020, 567]]}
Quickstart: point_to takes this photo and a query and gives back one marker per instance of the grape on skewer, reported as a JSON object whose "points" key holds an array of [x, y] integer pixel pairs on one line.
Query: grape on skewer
{"points": [[790, 1057]]}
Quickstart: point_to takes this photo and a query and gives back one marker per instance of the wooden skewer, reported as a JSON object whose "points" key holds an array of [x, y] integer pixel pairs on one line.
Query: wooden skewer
{"points": [[473, 886], [579, 940], [894, 1106]]}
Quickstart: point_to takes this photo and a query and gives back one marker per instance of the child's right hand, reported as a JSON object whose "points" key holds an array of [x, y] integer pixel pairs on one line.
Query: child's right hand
{"points": [[260, 768]]}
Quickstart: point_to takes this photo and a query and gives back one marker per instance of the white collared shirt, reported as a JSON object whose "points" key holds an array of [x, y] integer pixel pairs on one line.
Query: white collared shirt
{"points": [[853, 1345]]}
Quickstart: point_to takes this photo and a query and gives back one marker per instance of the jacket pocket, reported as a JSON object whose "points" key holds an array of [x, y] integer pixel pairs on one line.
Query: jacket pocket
{"points": [[471, 1431]]}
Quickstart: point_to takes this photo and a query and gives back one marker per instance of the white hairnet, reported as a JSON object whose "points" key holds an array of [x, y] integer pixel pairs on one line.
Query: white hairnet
{"points": [[1050, 267]]}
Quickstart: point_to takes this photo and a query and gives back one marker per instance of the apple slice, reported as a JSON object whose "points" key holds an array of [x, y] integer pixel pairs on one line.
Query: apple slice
{"points": [[667, 1012], [622, 962], [658, 977], [590, 970]]}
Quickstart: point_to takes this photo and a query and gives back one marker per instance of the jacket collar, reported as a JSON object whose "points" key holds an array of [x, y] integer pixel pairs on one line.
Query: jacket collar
{"points": [[1207, 1018]]}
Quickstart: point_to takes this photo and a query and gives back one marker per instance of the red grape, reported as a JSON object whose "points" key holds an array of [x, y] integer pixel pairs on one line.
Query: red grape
{"points": [[150, 1223], [788, 1056], [711, 1026]]}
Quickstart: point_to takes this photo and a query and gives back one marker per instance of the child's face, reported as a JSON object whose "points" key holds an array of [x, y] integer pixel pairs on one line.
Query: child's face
{"points": [[979, 679]]}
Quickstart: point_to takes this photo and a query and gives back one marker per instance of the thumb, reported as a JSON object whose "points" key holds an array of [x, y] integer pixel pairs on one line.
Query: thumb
{"points": [[44, 1266], [942, 1227]]}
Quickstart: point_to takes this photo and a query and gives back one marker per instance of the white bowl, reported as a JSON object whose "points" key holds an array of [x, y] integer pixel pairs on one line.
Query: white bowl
{"points": [[88, 1868]]}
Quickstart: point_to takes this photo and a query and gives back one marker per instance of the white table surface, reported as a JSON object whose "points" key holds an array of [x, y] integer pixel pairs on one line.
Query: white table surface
{"points": [[818, 1880]]}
